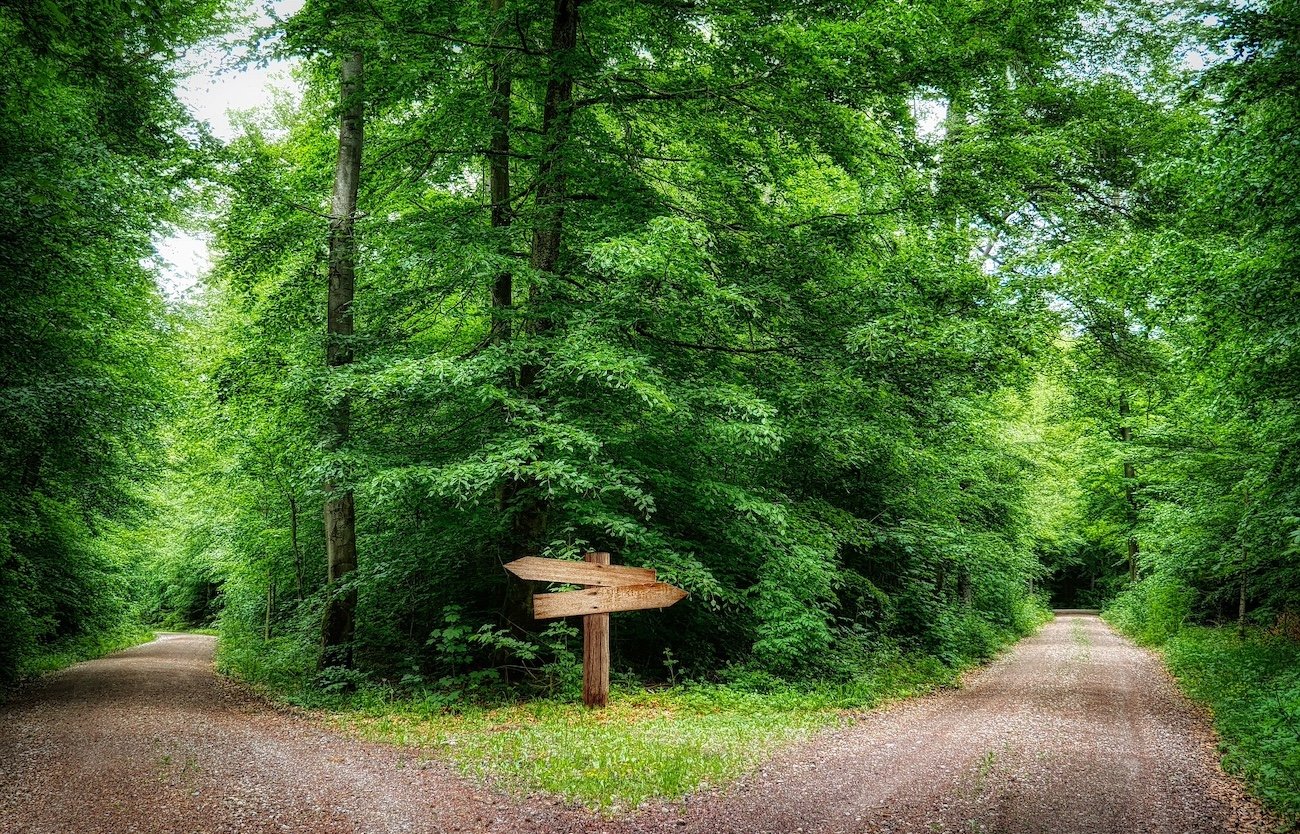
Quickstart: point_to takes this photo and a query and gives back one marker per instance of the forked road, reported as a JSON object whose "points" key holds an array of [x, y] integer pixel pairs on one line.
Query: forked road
{"points": [[1076, 730]]}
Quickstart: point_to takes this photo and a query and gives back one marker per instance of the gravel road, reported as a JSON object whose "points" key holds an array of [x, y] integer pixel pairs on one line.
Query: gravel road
{"points": [[1075, 730]]}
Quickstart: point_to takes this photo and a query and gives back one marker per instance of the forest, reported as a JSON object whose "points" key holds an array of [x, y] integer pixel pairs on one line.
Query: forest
{"points": [[880, 328]]}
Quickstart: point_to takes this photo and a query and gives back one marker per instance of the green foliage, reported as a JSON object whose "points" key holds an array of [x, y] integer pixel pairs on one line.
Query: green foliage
{"points": [[1175, 264], [861, 323], [1152, 611], [767, 359], [93, 645], [95, 156]]}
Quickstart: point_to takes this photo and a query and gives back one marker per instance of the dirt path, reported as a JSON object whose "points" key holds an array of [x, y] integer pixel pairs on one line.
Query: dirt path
{"points": [[149, 741], [1074, 731]]}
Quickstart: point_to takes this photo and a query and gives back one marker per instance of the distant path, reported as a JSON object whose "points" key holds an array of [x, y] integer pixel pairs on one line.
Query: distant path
{"points": [[1076, 730]]}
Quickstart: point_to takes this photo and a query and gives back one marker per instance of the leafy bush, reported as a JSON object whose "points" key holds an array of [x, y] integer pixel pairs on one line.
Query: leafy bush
{"points": [[1153, 610]]}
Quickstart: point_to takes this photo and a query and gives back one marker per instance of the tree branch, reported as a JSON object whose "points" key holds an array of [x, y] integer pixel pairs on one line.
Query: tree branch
{"points": [[642, 330]]}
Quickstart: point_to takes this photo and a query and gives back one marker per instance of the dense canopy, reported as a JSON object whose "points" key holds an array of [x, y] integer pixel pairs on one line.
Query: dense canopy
{"points": [[877, 327]]}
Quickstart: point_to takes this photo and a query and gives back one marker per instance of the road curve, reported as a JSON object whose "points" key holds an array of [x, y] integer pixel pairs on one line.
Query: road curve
{"points": [[1075, 730]]}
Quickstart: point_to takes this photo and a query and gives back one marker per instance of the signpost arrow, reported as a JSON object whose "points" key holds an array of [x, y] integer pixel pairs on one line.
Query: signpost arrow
{"points": [[579, 573], [609, 588], [605, 600]]}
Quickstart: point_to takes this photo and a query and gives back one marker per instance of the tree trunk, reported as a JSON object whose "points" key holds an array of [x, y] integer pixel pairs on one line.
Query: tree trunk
{"points": [[517, 603], [1241, 595], [965, 590], [499, 192], [295, 546], [528, 524], [1241, 607], [270, 603], [552, 177], [1130, 487], [340, 509]]}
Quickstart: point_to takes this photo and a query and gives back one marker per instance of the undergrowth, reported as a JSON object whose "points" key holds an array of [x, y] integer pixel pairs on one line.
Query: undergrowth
{"points": [[647, 745], [524, 729], [87, 647]]}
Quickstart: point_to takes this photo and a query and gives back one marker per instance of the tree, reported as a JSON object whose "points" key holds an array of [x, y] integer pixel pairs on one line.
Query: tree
{"points": [[340, 504]]}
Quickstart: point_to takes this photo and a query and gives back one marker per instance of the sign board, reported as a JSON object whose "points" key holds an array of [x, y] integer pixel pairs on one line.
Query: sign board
{"points": [[609, 588], [605, 600], [579, 573]]}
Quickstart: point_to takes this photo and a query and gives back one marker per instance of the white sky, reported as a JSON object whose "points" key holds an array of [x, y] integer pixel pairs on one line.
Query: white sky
{"points": [[213, 89]]}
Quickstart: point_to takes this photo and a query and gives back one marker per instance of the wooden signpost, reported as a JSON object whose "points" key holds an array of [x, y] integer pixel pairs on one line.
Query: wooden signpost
{"points": [[608, 588]]}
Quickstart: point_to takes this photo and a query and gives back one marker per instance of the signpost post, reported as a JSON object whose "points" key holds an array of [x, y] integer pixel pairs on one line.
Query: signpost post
{"points": [[607, 588]]}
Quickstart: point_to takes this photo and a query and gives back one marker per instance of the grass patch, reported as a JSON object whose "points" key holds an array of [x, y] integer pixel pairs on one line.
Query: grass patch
{"points": [[643, 747], [68, 652], [1252, 685], [647, 745]]}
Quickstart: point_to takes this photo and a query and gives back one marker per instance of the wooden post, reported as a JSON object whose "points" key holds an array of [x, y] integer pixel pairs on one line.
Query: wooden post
{"points": [[595, 650]]}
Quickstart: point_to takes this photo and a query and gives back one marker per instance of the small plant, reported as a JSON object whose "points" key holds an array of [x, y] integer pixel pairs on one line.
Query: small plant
{"points": [[671, 663], [562, 675], [339, 680], [983, 769], [478, 659]]}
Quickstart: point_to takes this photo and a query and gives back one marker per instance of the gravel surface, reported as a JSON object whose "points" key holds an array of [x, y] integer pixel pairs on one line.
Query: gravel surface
{"points": [[1076, 730], [150, 741]]}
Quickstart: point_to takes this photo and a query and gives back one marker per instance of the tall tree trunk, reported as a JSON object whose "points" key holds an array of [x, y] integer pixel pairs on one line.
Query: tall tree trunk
{"points": [[517, 603], [499, 191], [529, 519], [965, 590], [557, 117], [1241, 607], [340, 508], [270, 602], [1130, 487], [552, 174], [1241, 595], [295, 545]]}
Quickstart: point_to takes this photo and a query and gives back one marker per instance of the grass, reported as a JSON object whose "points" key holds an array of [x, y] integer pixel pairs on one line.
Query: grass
{"points": [[640, 749], [1252, 686], [646, 746], [76, 650]]}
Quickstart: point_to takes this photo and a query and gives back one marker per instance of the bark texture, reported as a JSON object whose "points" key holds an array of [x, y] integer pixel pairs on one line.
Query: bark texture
{"points": [[499, 190], [528, 512], [340, 506]]}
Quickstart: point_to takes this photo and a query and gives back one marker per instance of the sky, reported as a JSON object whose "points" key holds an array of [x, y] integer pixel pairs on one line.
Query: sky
{"points": [[212, 89]]}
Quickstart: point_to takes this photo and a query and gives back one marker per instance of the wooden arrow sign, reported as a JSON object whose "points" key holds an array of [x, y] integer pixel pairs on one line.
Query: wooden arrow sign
{"points": [[609, 588], [579, 573], [605, 600]]}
